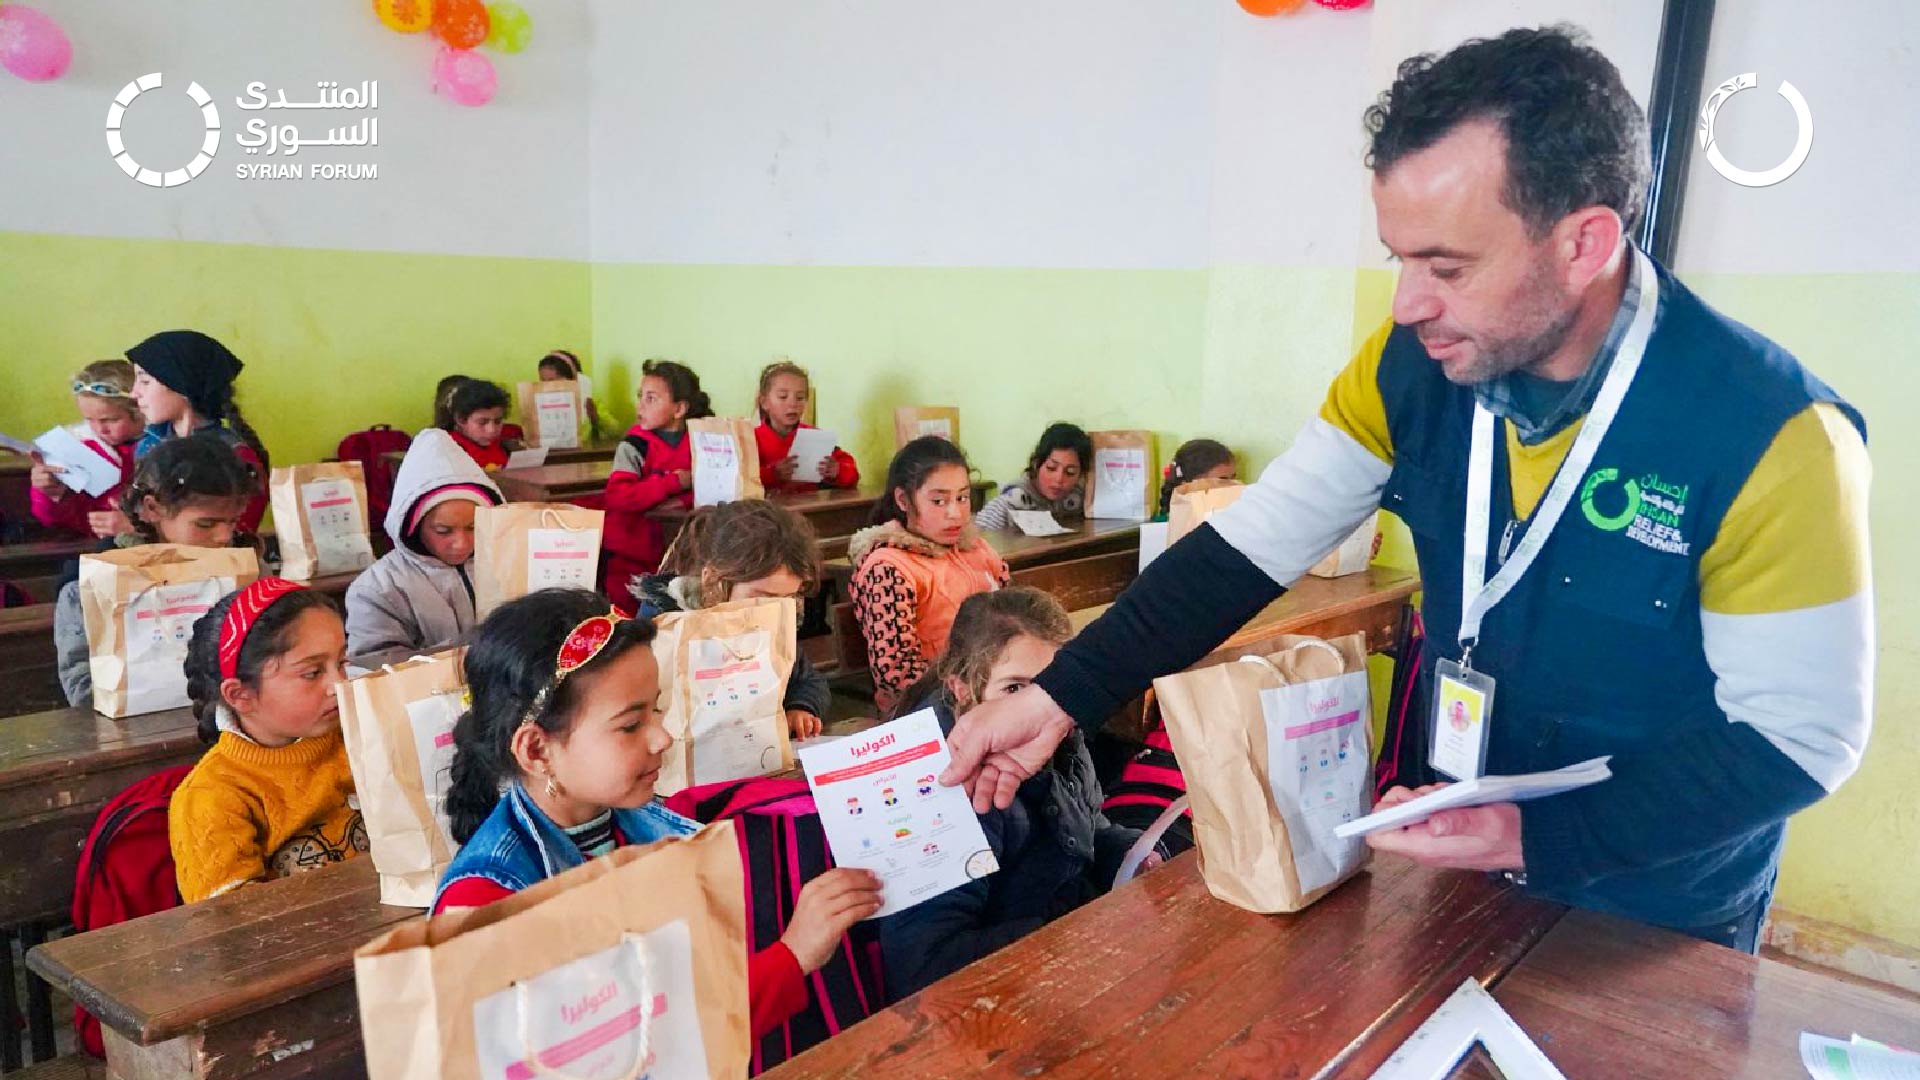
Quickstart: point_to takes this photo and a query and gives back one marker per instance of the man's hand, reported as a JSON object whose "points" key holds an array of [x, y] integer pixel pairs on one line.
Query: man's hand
{"points": [[1467, 838], [998, 745]]}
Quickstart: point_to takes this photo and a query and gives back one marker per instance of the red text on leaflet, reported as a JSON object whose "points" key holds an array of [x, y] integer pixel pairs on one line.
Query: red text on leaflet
{"points": [[868, 768]]}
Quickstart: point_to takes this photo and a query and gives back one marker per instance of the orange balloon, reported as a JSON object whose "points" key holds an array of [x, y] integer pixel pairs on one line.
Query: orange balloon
{"points": [[404, 16], [1269, 8], [462, 24]]}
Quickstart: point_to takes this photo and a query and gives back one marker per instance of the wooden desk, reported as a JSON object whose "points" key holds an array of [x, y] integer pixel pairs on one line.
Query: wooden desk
{"points": [[1368, 602], [36, 565], [600, 451], [28, 665], [1607, 997], [1159, 979], [57, 769], [1021, 550], [258, 982], [554, 482]]}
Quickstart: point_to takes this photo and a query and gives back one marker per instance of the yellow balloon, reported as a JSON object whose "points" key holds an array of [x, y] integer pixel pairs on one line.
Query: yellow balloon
{"points": [[404, 16]]}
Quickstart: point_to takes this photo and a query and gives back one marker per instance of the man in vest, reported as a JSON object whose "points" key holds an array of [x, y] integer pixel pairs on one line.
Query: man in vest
{"points": [[1644, 524]]}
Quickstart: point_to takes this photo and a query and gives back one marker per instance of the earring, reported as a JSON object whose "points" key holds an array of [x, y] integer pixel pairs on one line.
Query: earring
{"points": [[553, 789]]}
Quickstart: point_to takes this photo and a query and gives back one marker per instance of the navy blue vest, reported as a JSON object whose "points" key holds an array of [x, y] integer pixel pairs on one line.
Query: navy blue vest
{"points": [[1598, 648]]}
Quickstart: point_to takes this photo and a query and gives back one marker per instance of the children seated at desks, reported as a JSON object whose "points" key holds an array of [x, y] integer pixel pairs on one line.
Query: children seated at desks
{"points": [[1197, 459], [1056, 850], [1055, 480], [652, 465], [740, 551], [113, 426], [418, 598], [183, 380], [273, 795], [919, 560], [555, 764], [562, 366], [478, 410], [782, 401], [191, 491]]}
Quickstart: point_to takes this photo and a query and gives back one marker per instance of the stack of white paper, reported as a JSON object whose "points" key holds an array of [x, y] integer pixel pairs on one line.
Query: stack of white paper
{"points": [[1861, 1059], [1481, 792]]}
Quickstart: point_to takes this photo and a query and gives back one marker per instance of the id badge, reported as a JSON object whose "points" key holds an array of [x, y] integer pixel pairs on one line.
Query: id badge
{"points": [[1462, 706]]}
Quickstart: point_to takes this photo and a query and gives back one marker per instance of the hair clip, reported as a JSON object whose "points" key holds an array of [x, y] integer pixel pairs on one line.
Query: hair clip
{"points": [[582, 644]]}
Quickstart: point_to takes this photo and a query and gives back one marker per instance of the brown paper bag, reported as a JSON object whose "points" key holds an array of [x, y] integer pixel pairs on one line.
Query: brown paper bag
{"points": [[1354, 554], [551, 412], [636, 955], [320, 517], [139, 605], [398, 726], [1274, 750], [723, 676], [910, 422], [1120, 480], [1197, 500], [520, 548], [726, 461]]}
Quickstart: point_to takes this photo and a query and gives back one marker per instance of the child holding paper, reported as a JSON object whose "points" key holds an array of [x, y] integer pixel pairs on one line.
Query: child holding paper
{"points": [[1055, 480], [192, 491], [1056, 850], [103, 391], [652, 466], [555, 763], [782, 401], [918, 561], [273, 795]]}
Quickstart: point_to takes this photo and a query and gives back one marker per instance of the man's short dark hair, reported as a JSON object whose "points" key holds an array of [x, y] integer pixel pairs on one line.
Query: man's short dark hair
{"points": [[1575, 136]]}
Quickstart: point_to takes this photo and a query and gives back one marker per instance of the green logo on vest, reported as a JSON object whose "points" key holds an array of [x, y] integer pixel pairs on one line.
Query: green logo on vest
{"points": [[1609, 522]]}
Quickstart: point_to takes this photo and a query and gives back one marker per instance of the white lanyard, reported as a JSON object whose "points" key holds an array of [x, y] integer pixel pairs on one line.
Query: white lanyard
{"points": [[1477, 594]]}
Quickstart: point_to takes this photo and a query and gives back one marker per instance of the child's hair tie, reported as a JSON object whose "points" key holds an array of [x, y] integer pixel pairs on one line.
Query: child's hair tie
{"points": [[582, 644], [248, 605]]}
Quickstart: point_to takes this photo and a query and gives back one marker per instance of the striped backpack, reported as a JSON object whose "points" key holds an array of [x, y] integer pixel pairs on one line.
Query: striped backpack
{"points": [[782, 847], [1148, 784]]}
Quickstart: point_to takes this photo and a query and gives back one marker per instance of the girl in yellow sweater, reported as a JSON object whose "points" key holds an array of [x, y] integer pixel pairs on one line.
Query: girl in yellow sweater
{"points": [[273, 795]]}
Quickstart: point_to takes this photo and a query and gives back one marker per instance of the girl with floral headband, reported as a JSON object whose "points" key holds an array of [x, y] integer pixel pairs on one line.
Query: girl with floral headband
{"points": [[273, 795], [554, 764]]}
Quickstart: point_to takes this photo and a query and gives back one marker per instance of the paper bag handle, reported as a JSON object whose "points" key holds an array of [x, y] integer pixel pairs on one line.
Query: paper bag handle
{"points": [[556, 519], [1316, 643], [641, 1053], [1143, 847]]}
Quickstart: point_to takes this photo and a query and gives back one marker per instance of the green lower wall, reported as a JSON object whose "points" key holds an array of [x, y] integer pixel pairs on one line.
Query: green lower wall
{"points": [[332, 340], [336, 340]]}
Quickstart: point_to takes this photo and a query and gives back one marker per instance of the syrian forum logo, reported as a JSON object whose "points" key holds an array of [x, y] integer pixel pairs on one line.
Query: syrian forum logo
{"points": [[174, 177], [259, 136], [1802, 144]]}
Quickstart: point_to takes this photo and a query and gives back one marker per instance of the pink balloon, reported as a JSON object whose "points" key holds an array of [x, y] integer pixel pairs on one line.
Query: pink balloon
{"points": [[465, 75], [32, 45]]}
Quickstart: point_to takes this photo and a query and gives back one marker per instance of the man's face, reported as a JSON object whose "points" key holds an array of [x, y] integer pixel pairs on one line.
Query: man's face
{"points": [[1482, 292]]}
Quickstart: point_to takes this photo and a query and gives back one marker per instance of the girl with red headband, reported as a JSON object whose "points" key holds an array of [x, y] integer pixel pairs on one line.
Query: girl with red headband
{"points": [[273, 795], [555, 762]]}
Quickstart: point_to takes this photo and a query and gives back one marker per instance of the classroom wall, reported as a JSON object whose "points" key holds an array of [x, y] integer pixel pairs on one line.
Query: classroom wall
{"points": [[346, 299], [1135, 214]]}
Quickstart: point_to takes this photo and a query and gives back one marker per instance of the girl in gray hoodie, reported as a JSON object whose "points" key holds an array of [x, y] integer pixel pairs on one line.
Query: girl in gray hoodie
{"points": [[418, 598]]}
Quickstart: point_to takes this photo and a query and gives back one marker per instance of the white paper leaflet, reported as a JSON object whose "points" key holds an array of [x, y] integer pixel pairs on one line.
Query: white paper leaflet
{"points": [[1318, 768], [562, 558], [432, 719], [884, 810], [338, 528], [158, 625], [1481, 792], [736, 713]]}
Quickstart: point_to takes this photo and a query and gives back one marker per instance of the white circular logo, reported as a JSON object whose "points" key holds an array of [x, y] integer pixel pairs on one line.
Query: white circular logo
{"points": [[174, 177], [1801, 145]]}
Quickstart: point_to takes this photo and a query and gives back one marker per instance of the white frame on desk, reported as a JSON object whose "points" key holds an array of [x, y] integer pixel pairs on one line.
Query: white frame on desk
{"points": [[1469, 1016]]}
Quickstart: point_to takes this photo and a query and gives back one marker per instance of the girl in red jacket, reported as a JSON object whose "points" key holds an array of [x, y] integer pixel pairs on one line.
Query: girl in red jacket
{"points": [[653, 464], [784, 390], [104, 393]]}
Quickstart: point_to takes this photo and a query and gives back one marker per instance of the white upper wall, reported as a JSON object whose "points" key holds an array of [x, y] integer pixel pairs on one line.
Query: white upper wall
{"points": [[508, 178], [1855, 204]]}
